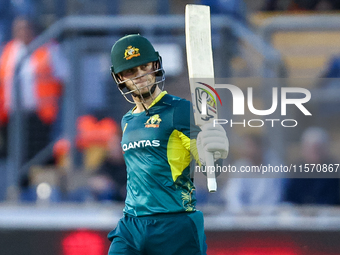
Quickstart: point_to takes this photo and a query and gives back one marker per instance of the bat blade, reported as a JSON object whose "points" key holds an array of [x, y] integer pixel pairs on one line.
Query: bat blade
{"points": [[201, 73]]}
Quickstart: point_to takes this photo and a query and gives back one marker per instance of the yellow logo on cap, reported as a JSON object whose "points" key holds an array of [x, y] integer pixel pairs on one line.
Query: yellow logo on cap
{"points": [[131, 52]]}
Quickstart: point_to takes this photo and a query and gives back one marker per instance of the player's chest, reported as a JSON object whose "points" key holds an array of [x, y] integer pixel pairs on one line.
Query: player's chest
{"points": [[147, 130]]}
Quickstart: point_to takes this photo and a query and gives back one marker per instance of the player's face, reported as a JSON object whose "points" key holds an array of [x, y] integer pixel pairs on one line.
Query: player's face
{"points": [[139, 79]]}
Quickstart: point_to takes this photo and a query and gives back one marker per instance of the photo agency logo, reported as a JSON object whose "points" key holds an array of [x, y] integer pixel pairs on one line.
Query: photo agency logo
{"points": [[207, 105]]}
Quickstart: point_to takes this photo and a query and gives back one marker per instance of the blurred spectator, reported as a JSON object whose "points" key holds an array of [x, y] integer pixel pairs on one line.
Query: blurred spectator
{"points": [[253, 191], [41, 84], [108, 172], [104, 175], [14, 8], [109, 182], [315, 150]]}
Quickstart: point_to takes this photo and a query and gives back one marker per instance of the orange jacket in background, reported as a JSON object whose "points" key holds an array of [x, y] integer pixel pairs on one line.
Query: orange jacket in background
{"points": [[47, 88]]}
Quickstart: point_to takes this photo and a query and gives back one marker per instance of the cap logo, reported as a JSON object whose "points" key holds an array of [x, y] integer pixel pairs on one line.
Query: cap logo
{"points": [[131, 52]]}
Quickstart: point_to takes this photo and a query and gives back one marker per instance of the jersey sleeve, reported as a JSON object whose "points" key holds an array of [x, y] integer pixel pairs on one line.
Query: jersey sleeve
{"points": [[184, 122], [184, 119]]}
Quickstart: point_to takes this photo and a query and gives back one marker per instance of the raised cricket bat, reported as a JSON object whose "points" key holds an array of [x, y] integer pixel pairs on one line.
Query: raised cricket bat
{"points": [[201, 73]]}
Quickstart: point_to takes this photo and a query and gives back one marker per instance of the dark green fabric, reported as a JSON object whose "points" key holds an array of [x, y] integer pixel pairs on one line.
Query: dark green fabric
{"points": [[150, 186], [145, 50], [163, 234]]}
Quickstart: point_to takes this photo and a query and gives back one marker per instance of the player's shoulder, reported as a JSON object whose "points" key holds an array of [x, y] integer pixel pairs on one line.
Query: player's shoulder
{"points": [[127, 115], [175, 100], [181, 109]]}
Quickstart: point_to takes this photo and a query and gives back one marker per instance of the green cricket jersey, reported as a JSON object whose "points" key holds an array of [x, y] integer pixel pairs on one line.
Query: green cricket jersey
{"points": [[156, 149]]}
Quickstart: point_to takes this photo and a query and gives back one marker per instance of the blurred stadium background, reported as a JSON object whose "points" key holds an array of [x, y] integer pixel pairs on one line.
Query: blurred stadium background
{"points": [[64, 200]]}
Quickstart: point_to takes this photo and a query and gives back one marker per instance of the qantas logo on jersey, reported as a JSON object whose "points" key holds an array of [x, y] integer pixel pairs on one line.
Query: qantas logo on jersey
{"points": [[141, 144]]}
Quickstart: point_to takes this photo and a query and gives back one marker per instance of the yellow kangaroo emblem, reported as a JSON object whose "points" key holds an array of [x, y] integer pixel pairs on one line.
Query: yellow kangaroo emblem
{"points": [[131, 52], [153, 121]]}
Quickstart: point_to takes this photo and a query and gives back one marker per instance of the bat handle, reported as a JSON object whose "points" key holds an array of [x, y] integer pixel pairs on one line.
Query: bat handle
{"points": [[211, 178]]}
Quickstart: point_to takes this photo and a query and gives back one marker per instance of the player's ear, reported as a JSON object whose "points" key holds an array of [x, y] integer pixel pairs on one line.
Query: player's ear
{"points": [[156, 65], [119, 77]]}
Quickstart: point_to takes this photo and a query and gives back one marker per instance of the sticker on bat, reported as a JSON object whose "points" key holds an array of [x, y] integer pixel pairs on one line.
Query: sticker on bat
{"points": [[206, 102]]}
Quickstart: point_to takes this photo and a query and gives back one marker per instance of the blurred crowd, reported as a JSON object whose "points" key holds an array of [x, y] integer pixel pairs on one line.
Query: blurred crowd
{"points": [[101, 175]]}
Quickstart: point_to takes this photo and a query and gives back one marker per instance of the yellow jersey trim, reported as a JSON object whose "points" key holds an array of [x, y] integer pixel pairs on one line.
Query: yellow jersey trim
{"points": [[159, 97], [178, 153], [194, 151]]}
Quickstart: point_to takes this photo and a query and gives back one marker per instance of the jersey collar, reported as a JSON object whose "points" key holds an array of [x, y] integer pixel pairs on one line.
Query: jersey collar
{"points": [[157, 99]]}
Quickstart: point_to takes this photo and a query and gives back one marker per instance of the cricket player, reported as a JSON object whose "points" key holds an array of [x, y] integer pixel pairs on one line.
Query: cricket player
{"points": [[159, 142]]}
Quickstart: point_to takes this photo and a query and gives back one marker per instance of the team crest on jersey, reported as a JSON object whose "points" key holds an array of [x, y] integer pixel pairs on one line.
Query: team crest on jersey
{"points": [[131, 52], [153, 121]]}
